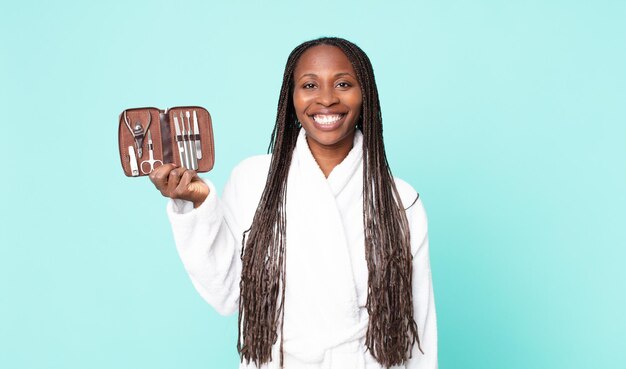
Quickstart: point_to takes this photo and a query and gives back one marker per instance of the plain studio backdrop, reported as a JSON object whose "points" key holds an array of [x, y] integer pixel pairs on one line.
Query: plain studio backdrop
{"points": [[507, 116]]}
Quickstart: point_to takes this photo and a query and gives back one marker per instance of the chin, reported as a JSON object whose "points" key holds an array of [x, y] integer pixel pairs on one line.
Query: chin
{"points": [[333, 139]]}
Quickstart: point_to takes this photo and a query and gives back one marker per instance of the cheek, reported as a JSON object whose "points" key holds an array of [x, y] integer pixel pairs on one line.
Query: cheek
{"points": [[299, 103], [356, 102]]}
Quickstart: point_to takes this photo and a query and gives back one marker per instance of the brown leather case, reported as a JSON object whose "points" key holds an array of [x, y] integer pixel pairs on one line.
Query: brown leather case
{"points": [[168, 145]]}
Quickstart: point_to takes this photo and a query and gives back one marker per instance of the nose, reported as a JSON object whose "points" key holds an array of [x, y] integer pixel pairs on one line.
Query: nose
{"points": [[327, 96]]}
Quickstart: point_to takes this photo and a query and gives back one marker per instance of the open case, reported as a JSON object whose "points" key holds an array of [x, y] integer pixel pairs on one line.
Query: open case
{"points": [[150, 137]]}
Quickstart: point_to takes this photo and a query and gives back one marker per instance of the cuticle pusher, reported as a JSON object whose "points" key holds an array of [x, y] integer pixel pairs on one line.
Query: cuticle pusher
{"points": [[192, 145]]}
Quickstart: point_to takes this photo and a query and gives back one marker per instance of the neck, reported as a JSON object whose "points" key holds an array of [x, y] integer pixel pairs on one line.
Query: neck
{"points": [[328, 157]]}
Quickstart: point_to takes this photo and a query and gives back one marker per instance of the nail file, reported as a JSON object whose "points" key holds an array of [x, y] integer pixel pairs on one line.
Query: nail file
{"points": [[181, 145], [134, 168], [197, 136]]}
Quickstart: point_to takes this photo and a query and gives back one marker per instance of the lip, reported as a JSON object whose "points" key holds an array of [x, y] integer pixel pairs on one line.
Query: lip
{"points": [[328, 127]]}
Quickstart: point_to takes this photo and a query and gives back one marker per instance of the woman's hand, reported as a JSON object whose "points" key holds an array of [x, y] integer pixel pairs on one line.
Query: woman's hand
{"points": [[180, 183]]}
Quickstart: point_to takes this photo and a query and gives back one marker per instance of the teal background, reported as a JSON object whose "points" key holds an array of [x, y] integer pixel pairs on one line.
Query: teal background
{"points": [[507, 116]]}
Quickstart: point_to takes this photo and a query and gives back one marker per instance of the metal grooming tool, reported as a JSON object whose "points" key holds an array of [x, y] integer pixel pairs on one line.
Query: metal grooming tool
{"points": [[197, 136], [180, 143], [151, 164], [134, 170], [192, 143], [138, 132], [186, 143]]}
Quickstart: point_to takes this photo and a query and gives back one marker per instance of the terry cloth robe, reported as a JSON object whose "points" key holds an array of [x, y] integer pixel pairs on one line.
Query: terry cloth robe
{"points": [[326, 317]]}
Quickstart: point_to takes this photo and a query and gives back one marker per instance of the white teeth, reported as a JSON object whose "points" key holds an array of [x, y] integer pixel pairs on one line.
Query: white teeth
{"points": [[327, 119]]}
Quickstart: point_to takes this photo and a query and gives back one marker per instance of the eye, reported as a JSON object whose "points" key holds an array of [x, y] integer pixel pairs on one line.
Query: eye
{"points": [[308, 85], [344, 84]]}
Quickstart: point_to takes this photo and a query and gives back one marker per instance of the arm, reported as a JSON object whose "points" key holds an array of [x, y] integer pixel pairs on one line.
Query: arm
{"points": [[205, 233], [208, 242], [208, 231], [423, 298]]}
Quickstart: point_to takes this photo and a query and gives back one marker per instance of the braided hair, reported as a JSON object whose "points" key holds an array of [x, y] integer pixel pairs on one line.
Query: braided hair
{"points": [[392, 331]]}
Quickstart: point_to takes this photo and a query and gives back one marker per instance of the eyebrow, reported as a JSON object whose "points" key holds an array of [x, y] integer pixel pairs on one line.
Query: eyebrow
{"points": [[336, 75]]}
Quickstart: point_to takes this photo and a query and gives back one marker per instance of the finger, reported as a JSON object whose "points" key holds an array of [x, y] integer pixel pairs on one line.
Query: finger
{"points": [[182, 190], [172, 181], [160, 175], [196, 190]]}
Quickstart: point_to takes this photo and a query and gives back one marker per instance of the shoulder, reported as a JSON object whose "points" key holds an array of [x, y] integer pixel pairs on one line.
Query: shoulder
{"points": [[408, 195], [251, 171], [415, 212], [249, 175], [244, 188], [254, 164]]}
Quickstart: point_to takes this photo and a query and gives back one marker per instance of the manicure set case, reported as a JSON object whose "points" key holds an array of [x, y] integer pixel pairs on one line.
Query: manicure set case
{"points": [[185, 141]]}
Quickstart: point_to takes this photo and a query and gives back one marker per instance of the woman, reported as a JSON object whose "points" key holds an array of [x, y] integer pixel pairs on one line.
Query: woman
{"points": [[322, 251]]}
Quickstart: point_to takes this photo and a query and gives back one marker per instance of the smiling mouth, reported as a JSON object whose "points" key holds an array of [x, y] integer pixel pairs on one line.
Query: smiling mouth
{"points": [[327, 119]]}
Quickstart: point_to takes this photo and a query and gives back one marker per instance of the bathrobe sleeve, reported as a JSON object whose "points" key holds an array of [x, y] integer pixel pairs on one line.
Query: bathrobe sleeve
{"points": [[423, 298], [208, 240]]}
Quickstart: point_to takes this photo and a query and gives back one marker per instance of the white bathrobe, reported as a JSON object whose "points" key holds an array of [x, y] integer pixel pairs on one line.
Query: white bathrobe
{"points": [[326, 272]]}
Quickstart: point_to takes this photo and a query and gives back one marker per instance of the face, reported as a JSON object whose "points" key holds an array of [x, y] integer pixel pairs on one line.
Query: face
{"points": [[327, 98]]}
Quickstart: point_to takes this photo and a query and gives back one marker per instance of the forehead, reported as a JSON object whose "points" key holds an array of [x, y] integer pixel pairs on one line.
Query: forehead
{"points": [[323, 59]]}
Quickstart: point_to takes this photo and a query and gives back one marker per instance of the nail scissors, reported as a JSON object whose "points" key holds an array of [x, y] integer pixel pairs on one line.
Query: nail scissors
{"points": [[151, 163]]}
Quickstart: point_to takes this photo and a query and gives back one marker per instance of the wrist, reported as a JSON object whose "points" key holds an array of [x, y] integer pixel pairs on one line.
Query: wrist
{"points": [[199, 200]]}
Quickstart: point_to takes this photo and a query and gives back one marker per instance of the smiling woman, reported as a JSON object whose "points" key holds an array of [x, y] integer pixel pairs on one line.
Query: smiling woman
{"points": [[327, 100], [321, 250]]}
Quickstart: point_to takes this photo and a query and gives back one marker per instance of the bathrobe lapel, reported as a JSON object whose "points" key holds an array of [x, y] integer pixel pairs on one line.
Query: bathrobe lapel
{"points": [[321, 307]]}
